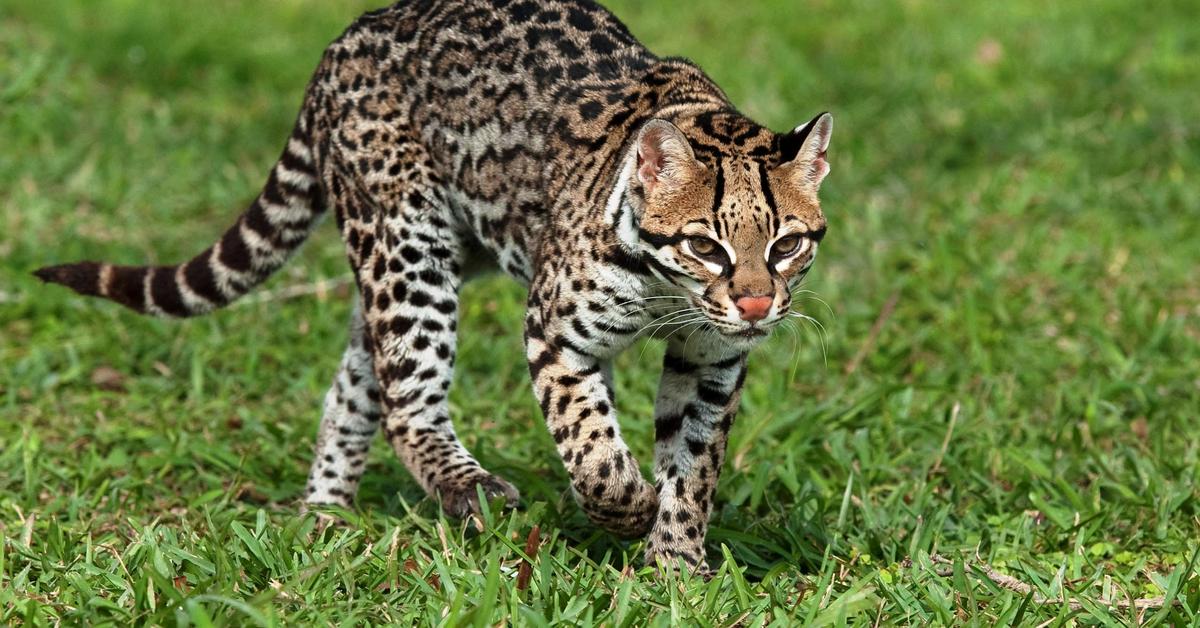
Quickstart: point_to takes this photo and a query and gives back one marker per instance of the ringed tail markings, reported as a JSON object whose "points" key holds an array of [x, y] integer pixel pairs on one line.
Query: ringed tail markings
{"points": [[255, 246]]}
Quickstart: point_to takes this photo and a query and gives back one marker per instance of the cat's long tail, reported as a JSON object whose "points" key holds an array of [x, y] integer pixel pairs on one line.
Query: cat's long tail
{"points": [[258, 244]]}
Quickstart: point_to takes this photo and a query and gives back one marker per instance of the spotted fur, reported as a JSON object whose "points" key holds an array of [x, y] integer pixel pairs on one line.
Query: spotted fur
{"points": [[541, 139]]}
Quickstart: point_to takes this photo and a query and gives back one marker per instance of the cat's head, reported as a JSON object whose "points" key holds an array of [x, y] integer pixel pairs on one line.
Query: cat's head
{"points": [[727, 213]]}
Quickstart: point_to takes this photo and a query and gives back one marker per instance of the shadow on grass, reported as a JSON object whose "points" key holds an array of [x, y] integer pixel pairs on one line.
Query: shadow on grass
{"points": [[791, 536]]}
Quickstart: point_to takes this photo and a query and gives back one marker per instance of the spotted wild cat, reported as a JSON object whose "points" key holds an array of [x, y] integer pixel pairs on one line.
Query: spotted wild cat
{"points": [[622, 188]]}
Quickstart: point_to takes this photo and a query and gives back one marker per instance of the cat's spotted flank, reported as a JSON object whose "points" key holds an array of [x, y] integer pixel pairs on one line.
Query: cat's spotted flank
{"points": [[539, 138]]}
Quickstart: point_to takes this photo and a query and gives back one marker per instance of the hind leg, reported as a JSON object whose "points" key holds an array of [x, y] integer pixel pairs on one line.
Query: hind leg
{"points": [[351, 419], [408, 254], [411, 310], [407, 250]]}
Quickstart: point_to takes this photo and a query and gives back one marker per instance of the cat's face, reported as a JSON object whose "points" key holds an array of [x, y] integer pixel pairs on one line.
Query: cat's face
{"points": [[735, 232]]}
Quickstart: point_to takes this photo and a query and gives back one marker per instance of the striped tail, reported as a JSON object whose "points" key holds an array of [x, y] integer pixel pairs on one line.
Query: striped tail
{"points": [[263, 238]]}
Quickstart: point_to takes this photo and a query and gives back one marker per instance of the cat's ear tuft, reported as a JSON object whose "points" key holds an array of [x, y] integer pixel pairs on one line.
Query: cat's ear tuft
{"points": [[803, 151], [664, 157]]}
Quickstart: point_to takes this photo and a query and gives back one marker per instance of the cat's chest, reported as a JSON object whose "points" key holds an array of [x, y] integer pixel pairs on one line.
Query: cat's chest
{"points": [[603, 311]]}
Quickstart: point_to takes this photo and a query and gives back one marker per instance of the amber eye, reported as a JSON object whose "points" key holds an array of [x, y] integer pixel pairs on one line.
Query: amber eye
{"points": [[701, 246], [786, 246]]}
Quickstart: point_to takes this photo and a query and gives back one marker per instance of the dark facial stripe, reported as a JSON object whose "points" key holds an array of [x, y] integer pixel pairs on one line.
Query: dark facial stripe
{"points": [[659, 240], [719, 192], [667, 274], [629, 262], [766, 188], [768, 196]]}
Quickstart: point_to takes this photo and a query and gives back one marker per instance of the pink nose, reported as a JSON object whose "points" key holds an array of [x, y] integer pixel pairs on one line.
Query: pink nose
{"points": [[754, 308]]}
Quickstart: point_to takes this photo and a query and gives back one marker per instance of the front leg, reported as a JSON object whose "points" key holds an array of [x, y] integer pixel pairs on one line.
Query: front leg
{"points": [[575, 393], [697, 401]]}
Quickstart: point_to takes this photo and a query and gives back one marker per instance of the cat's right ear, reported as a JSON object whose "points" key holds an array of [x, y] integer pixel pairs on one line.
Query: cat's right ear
{"points": [[664, 158]]}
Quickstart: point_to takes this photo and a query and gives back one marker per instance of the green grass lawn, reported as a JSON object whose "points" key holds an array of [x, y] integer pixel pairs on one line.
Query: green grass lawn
{"points": [[1009, 372]]}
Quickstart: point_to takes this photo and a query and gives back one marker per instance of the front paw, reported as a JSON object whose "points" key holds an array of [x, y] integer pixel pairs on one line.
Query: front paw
{"points": [[689, 560], [460, 498], [626, 509], [677, 540], [323, 519]]}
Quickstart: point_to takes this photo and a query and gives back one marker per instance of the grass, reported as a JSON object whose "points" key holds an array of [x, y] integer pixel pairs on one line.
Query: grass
{"points": [[1011, 177]]}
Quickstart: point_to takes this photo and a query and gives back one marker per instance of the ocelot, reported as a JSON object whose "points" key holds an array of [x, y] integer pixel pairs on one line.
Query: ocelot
{"points": [[623, 189]]}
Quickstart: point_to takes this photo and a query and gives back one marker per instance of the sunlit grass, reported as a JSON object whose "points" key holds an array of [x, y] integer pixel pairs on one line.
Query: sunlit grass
{"points": [[1012, 178]]}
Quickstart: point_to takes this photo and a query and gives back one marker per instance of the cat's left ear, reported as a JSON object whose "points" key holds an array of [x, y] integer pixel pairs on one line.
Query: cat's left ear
{"points": [[803, 151]]}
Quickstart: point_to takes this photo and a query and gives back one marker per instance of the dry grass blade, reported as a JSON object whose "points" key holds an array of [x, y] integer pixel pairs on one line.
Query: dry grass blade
{"points": [[937, 464], [27, 528], [525, 571]]}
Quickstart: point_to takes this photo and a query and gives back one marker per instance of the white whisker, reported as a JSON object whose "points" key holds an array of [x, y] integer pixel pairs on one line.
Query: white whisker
{"points": [[820, 333], [670, 315], [814, 297]]}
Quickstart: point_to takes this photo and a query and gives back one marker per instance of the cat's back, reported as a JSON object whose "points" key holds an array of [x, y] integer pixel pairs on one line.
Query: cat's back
{"points": [[518, 107], [483, 83], [451, 47]]}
